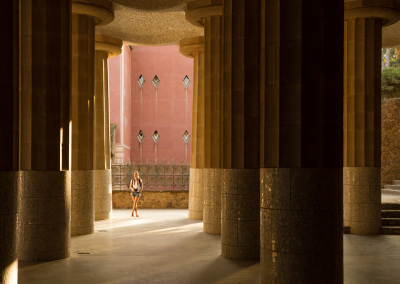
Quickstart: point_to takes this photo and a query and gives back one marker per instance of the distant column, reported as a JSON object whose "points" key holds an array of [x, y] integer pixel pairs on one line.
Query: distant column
{"points": [[209, 15], [10, 177], [194, 48], [45, 201], [86, 15], [106, 47], [362, 114]]}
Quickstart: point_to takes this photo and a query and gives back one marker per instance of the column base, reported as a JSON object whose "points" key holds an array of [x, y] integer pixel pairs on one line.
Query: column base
{"points": [[196, 191], [82, 203], [44, 216], [212, 201], [102, 194], [301, 225], [240, 219], [10, 188], [362, 200]]}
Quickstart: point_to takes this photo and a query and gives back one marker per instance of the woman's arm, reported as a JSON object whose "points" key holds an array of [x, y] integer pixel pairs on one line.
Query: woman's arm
{"points": [[130, 185]]}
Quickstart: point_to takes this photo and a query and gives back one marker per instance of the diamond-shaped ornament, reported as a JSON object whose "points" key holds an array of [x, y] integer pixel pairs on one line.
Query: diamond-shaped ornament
{"points": [[156, 81], [186, 136], [155, 136], [140, 136], [186, 81], [141, 81]]}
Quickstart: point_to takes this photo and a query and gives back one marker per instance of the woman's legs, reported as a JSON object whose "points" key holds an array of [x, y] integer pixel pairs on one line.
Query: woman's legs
{"points": [[135, 200], [133, 204]]}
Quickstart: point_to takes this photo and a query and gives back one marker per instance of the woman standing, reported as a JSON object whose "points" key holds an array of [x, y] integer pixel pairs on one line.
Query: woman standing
{"points": [[136, 187]]}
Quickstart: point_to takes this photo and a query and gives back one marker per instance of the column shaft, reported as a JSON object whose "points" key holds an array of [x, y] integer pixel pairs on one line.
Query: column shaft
{"points": [[362, 124], [301, 149], [240, 232], [105, 47], [10, 182], [44, 212], [82, 116], [213, 124], [194, 48]]}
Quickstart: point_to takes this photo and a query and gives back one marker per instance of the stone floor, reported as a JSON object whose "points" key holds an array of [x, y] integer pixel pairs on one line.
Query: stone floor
{"points": [[163, 246]]}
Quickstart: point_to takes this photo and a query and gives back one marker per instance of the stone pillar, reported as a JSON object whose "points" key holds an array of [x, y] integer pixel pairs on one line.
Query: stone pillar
{"points": [[10, 177], [44, 212], [86, 15], [209, 15], [194, 48], [301, 148], [240, 232], [106, 47], [362, 114], [397, 52]]}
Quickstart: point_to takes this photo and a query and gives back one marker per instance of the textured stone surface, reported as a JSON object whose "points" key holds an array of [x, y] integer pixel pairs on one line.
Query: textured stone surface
{"points": [[10, 188], [44, 215], [240, 219], [152, 199], [301, 225], [82, 202], [196, 194], [362, 200], [390, 140], [102, 194], [151, 27], [212, 201]]}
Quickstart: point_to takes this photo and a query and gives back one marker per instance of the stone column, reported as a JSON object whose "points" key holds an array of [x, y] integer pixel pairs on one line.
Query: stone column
{"points": [[362, 114], [106, 47], [209, 15], [397, 52], [10, 177], [86, 15], [194, 48], [240, 232], [44, 212], [301, 148]]}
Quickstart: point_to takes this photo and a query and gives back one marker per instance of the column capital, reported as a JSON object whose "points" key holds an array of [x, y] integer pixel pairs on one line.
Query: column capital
{"points": [[109, 44], [101, 10], [199, 9], [189, 46], [388, 11]]}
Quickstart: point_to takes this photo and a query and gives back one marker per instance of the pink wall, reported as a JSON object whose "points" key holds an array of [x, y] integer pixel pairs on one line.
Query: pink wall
{"points": [[174, 112], [120, 103]]}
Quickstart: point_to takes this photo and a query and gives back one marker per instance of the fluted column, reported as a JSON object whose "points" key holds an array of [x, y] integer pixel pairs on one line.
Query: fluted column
{"points": [[209, 15], [10, 177], [362, 113], [106, 47], [44, 212], [194, 48], [86, 15], [301, 149], [240, 232]]}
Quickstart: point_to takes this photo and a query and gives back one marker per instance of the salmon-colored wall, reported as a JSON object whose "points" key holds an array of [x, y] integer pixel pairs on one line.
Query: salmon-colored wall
{"points": [[120, 103], [174, 112], [172, 118]]}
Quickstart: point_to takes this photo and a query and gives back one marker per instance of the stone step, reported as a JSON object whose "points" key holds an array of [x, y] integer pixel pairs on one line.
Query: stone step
{"points": [[396, 181], [390, 230], [391, 186], [393, 192], [390, 222], [390, 213], [390, 206]]}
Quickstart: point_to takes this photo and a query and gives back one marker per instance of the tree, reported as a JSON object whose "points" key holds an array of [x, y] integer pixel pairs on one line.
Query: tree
{"points": [[390, 83]]}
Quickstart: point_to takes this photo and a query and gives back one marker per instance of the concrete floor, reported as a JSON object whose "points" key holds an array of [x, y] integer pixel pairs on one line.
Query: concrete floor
{"points": [[163, 246]]}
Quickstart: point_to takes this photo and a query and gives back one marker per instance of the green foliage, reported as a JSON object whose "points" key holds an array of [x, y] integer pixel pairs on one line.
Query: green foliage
{"points": [[390, 85]]}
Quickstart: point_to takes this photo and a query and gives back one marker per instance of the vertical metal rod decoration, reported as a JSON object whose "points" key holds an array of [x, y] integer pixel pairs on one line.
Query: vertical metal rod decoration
{"points": [[155, 137], [156, 81], [140, 136], [186, 138], [186, 83]]}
